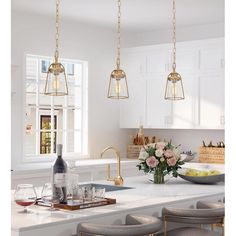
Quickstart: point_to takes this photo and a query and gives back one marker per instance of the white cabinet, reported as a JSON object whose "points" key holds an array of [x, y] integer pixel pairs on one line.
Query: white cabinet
{"points": [[159, 110], [211, 101], [133, 63], [211, 56], [158, 61], [184, 111], [201, 66], [133, 110]]}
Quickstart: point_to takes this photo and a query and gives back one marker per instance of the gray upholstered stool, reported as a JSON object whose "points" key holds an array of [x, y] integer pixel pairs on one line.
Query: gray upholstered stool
{"points": [[209, 205], [192, 216], [135, 225], [212, 205]]}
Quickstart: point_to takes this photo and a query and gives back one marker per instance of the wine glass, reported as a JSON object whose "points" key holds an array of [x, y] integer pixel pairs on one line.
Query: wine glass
{"points": [[49, 197], [25, 195]]}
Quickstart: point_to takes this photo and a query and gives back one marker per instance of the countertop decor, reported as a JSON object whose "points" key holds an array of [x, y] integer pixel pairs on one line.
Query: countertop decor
{"points": [[160, 158], [142, 197]]}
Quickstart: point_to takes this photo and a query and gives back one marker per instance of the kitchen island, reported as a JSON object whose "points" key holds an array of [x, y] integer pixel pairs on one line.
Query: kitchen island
{"points": [[145, 197]]}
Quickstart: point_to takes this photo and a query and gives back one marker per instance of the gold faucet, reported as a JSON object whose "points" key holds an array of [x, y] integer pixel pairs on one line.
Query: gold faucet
{"points": [[117, 180]]}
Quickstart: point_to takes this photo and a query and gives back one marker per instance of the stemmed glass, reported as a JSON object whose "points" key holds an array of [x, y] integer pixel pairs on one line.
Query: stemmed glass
{"points": [[25, 195], [49, 197]]}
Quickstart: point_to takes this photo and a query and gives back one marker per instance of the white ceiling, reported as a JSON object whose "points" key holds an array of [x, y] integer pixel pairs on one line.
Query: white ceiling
{"points": [[137, 15]]}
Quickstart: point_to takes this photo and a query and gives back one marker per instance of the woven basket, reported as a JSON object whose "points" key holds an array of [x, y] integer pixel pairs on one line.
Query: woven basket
{"points": [[212, 155], [133, 151]]}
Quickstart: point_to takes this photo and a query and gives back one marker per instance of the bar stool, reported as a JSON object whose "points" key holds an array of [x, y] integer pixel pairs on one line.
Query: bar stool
{"points": [[135, 225], [212, 205], [192, 216]]}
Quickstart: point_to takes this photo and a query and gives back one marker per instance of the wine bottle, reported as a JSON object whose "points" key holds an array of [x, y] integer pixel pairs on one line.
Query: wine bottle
{"points": [[59, 175]]}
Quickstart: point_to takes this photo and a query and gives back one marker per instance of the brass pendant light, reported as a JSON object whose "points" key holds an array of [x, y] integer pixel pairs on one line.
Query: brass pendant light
{"points": [[118, 87], [174, 85], [56, 82]]}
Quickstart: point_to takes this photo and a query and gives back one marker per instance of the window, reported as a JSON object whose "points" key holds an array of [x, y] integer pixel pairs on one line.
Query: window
{"points": [[49, 119]]}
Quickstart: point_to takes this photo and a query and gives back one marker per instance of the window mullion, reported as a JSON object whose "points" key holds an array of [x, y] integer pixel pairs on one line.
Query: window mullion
{"points": [[37, 117], [52, 125], [65, 119]]}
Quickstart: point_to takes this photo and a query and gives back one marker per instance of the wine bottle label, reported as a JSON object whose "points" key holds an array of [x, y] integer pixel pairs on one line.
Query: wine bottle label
{"points": [[60, 179]]}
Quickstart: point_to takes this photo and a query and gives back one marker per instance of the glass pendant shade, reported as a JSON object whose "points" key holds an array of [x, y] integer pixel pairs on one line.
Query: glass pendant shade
{"points": [[118, 88], [174, 87], [56, 83]]}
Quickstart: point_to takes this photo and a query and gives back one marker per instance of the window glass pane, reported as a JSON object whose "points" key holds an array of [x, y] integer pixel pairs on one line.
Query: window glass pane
{"points": [[59, 138], [75, 100], [44, 66], [31, 89], [78, 72], [59, 113], [44, 100], [70, 69], [30, 118], [45, 142], [74, 141], [73, 119], [58, 101], [30, 143]]}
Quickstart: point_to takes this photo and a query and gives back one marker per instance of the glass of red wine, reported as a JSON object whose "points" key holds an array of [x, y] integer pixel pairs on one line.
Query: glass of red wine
{"points": [[25, 195], [49, 198]]}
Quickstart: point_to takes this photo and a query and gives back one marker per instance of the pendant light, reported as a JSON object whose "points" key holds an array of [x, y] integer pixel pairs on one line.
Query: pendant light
{"points": [[118, 87], [174, 85], [56, 82]]}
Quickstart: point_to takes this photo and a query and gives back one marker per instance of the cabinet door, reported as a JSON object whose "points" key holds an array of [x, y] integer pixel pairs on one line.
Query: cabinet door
{"points": [[159, 61], [133, 63], [158, 109], [212, 56], [211, 101], [133, 110], [184, 111], [187, 60]]}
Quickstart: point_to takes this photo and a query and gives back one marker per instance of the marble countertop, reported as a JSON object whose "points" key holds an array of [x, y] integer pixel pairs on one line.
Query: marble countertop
{"points": [[144, 194]]}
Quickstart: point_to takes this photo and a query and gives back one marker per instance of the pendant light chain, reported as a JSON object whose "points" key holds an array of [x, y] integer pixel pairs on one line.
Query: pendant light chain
{"points": [[174, 35], [57, 30], [118, 35]]}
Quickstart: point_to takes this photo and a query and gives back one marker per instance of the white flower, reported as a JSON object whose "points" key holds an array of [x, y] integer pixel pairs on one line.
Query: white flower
{"points": [[159, 152], [162, 159], [143, 155]]}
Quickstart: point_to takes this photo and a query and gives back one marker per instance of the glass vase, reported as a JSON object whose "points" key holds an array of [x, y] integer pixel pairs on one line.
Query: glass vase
{"points": [[158, 176]]}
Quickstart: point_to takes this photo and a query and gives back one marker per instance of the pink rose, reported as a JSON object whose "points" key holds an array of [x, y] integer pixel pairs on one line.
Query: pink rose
{"points": [[160, 145], [171, 161], [152, 162], [168, 153]]}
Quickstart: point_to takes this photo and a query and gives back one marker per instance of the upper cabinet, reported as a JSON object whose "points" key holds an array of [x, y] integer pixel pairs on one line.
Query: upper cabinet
{"points": [[133, 110], [201, 66]]}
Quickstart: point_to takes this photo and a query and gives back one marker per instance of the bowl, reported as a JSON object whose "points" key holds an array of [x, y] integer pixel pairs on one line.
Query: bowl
{"points": [[210, 179], [186, 158]]}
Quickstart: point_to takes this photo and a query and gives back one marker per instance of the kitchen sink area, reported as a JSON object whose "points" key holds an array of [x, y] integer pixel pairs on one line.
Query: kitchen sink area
{"points": [[108, 188]]}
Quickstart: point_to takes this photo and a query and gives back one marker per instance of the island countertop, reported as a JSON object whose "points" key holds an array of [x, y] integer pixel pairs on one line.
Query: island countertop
{"points": [[145, 197]]}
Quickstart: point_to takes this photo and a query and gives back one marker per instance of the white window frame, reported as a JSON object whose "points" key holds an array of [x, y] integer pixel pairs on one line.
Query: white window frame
{"points": [[84, 111]]}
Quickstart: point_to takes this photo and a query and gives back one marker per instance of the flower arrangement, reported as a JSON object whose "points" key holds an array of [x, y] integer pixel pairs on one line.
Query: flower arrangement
{"points": [[161, 158]]}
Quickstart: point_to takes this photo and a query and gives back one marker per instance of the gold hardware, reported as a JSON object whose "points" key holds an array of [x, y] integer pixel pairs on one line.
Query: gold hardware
{"points": [[117, 180], [56, 82], [165, 227], [174, 86], [118, 87]]}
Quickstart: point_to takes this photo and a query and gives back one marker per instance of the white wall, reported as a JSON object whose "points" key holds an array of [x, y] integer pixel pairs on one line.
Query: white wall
{"points": [[195, 32], [34, 34]]}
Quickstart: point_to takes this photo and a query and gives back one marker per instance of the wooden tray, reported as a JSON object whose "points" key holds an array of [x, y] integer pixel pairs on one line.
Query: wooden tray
{"points": [[77, 206]]}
